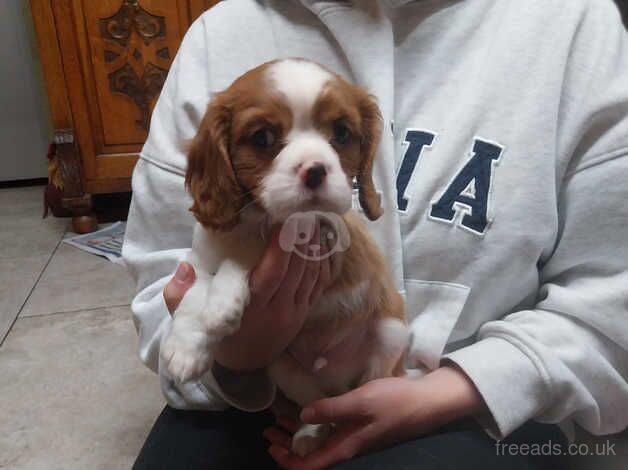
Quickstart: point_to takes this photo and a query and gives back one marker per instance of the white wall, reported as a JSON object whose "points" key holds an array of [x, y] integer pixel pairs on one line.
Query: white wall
{"points": [[24, 121]]}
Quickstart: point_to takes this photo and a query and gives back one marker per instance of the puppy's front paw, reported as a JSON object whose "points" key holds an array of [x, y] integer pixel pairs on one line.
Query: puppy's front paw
{"points": [[309, 438], [186, 353], [225, 316]]}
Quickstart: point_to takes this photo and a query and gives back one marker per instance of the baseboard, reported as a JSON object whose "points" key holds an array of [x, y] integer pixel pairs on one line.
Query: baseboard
{"points": [[23, 183]]}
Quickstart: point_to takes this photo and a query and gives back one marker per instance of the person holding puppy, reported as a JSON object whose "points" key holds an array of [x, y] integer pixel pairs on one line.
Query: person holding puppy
{"points": [[501, 174]]}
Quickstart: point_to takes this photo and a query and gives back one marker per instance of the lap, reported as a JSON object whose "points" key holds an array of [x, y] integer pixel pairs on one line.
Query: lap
{"points": [[465, 446], [233, 440], [205, 440]]}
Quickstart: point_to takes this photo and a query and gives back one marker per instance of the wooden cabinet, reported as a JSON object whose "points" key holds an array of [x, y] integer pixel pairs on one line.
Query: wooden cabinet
{"points": [[105, 62]]}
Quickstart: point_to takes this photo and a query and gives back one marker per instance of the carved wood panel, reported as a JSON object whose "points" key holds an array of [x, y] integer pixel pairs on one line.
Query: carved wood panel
{"points": [[143, 82], [131, 44], [105, 62]]}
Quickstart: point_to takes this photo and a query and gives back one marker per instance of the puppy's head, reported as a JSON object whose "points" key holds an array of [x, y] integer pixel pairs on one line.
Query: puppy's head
{"points": [[289, 136]]}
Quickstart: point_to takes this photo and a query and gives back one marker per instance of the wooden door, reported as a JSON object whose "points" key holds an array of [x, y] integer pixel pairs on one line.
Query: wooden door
{"points": [[105, 63]]}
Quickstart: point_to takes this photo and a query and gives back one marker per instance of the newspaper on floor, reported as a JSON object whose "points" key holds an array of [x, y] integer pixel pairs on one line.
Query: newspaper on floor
{"points": [[106, 242]]}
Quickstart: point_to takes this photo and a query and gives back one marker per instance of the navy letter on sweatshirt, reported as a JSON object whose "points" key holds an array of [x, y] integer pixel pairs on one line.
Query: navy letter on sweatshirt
{"points": [[417, 141], [471, 188]]}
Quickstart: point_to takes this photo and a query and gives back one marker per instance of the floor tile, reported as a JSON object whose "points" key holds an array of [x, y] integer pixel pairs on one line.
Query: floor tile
{"points": [[12, 199], [74, 394], [76, 280], [23, 231], [17, 278]]}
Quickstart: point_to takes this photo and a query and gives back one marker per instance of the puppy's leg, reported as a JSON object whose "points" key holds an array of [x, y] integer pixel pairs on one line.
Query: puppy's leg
{"points": [[213, 307], [228, 297], [391, 338], [185, 350], [296, 383], [310, 437], [301, 387]]}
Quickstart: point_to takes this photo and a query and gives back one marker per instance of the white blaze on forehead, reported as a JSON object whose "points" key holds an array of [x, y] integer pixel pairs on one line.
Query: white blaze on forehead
{"points": [[300, 82]]}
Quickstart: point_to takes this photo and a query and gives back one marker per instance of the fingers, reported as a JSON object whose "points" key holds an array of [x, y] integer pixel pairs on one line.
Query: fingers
{"points": [[310, 276], [182, 280], [267, 276], [292, 280], [278, 437], [303, 269], [288, 424], [343, 408], [342, 445], [311, 273], [281, 443], [324, 275], [319, 278], [290, 273], [285, 458]]}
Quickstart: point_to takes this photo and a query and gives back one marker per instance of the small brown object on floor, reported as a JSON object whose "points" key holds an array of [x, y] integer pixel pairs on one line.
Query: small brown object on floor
{"points": [[84, 224]]}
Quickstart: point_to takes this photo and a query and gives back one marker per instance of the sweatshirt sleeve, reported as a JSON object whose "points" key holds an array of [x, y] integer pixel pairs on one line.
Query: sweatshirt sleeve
{"points": [[566, 361], [160, 228]]}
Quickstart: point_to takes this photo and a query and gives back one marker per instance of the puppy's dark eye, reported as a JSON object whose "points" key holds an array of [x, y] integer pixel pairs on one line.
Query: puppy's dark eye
{"points": [[342, 134], [264, 138]]}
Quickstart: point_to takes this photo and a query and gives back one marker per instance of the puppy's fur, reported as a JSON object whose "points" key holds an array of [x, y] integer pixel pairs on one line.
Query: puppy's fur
{"points": [[287, 138]]}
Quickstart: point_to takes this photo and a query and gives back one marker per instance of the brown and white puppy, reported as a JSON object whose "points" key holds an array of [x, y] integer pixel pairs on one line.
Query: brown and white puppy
{"points": [[284, 144]]}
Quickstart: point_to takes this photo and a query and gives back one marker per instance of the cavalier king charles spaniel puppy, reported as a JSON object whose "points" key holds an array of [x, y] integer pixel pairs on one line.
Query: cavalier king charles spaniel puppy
{"points": [[287, 143]]}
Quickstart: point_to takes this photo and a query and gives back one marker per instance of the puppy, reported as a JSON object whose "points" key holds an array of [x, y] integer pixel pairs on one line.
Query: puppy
{"points": [[286, 143]]}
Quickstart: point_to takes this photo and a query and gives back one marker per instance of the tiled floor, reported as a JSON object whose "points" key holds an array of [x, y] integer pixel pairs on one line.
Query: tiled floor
{"points": [[27, 244], [73, 394]]}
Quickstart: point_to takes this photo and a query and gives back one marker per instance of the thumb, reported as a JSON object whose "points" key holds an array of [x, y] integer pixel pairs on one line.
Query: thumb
{"points": [[338, 409], [178, 286]]}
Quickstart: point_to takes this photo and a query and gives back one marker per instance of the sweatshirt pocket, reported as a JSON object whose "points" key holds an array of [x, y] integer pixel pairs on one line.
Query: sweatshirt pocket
{"points": [[432, 308]]}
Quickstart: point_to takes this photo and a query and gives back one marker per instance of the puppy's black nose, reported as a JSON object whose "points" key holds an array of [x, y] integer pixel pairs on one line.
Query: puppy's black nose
{"points": [[315, 175]]}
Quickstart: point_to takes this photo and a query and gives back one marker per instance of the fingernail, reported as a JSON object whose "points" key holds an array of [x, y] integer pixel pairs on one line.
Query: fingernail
{"points": [[307, 415], [183, 273]]}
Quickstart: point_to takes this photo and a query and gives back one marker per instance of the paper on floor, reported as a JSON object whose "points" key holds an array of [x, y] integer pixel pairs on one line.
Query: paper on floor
{"points": [[106, 242]]}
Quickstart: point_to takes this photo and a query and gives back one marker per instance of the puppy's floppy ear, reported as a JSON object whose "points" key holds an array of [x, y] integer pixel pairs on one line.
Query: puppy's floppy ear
{"points": [[210, 178], [371, 135]]}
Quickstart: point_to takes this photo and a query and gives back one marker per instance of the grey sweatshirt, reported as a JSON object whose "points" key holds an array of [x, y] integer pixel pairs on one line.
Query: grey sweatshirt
{"points": [[503, 172]]}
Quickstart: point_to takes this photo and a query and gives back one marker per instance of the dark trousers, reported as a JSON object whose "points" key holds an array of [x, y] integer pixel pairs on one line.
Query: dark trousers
{"points": [[233, 440]]}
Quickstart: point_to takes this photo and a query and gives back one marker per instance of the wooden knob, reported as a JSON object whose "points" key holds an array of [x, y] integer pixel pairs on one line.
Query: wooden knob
{"points": [[84, 224]]}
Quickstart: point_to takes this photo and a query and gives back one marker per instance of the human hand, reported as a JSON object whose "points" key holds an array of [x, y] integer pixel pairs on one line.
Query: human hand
{"points": [[283, 287], [378, 414], [182, 280]]}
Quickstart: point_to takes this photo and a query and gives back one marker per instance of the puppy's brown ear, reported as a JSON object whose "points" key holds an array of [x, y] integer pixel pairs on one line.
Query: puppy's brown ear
{"points": [[371, 135], [210, 178]]}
